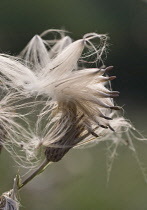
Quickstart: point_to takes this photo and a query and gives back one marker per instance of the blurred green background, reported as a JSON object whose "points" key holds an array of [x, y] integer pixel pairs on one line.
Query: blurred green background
{"points": [[79, 181]]}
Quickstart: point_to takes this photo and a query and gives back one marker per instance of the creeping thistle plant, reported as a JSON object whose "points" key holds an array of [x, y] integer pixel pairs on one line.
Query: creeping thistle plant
{"points": [[73, 104]]}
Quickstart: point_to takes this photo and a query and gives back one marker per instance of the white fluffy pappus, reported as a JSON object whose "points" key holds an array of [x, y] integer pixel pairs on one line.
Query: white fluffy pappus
{"points": [[78, 107], [40, 51], [14, 75], [15, 132], [80, 110]]}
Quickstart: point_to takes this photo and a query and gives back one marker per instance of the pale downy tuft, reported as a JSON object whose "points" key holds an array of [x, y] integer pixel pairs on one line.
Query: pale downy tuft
{"points": [[40, 51], [77, 103], [15, 130], [16, 76], [35, 53], [79, 108]]}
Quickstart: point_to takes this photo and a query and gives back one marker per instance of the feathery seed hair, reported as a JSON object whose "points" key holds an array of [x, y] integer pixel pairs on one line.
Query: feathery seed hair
{"points": [[75, 102]]}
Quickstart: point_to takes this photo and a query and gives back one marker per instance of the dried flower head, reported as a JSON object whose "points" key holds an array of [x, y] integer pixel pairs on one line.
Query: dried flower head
{"points": [[79, 109], [75, 101]]}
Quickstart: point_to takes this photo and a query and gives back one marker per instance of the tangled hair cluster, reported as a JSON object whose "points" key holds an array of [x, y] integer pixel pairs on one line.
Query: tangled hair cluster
{"points": [[52, 100]]}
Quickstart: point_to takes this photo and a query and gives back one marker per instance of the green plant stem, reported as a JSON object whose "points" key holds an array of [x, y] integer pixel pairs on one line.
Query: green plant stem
{"points": [[35, 173]]}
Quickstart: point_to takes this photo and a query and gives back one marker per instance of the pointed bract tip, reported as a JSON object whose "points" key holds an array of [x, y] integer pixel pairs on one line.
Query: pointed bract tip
{"points": [[103, 126], [116, 107], [109, 68], [111, 128], [94, 134], [112, 78]]}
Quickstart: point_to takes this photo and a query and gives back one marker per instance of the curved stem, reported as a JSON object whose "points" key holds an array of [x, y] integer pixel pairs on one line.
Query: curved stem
{"points": [[35, 173]]}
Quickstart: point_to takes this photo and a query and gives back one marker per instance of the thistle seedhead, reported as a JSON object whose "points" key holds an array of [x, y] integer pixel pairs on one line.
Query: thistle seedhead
{"points": [[76, 101]]}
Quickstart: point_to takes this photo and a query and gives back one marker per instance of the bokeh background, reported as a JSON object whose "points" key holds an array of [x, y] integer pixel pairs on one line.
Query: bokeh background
{"points": [[79, 181]]}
